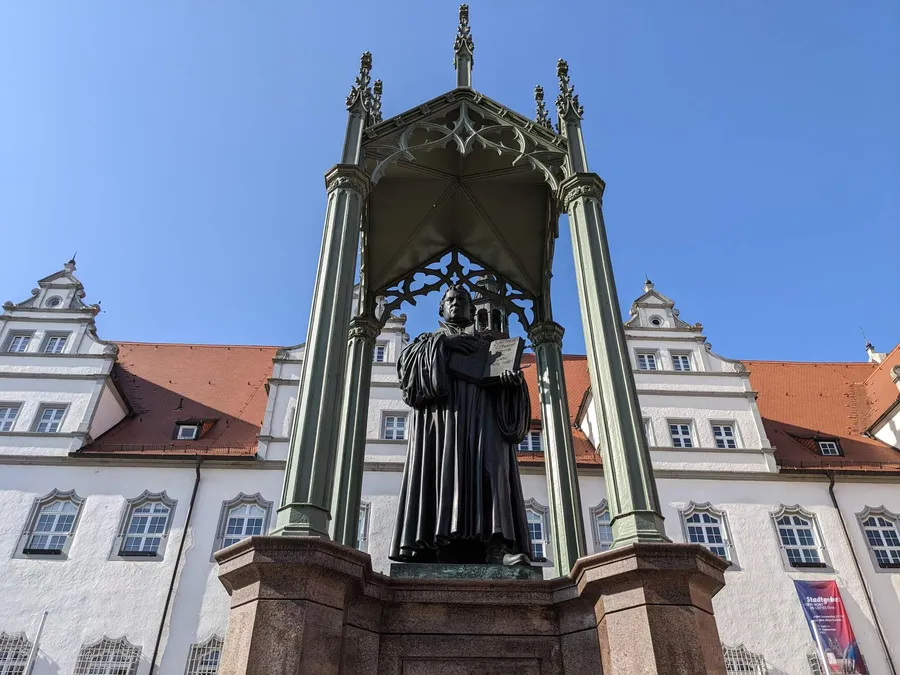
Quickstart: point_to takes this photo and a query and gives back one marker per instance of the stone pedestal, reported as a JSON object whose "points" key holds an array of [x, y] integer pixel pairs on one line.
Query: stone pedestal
{"points": [[308, 605]]}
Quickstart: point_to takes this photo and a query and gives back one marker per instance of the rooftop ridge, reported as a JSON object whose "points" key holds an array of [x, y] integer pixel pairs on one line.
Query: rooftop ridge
{"points": [[131, 343]]}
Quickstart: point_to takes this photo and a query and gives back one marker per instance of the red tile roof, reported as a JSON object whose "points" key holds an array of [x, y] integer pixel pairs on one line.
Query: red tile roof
{"points": [[804, 402], [168, 383]]}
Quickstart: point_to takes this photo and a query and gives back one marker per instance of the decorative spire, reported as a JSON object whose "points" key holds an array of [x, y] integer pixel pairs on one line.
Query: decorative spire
{"points": [[567, 104], [70, 266], [376, 103], [360, 93], [542, 117], [648, 285], [464, 49]]}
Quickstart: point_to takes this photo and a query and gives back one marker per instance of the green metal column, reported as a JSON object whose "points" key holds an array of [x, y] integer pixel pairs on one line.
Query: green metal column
{"points": [[352, 431], [306, 499], [630, 485], [566, 520]]}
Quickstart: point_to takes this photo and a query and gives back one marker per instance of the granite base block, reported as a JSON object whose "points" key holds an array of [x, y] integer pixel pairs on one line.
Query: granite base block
{"points": [[308, 605], [451, 571]]}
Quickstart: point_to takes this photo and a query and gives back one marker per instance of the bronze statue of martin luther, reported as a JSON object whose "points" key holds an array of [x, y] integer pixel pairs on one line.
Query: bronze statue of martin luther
{"points": [[461, 499]]}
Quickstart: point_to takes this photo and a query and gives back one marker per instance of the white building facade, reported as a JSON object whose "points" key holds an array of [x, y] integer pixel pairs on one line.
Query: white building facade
{"points": [[124, 467]]}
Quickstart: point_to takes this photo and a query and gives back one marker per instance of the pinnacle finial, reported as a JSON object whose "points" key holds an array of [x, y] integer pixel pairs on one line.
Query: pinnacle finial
{"points": [[567, 102], [464, 49], [376, 102], [360, 93], [648, 285], [542, 116]]}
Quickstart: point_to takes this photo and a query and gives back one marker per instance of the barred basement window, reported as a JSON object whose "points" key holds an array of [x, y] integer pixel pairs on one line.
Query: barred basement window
{"points": [[51, 524], [538, 529], [815, 664], [108, 657], [646, 360], [145, 526], [204, 657], [741, 661], [800, 542], [14, 651], [531, 442], [242, 517], [880, 527], [706, 525], [603, 535]]}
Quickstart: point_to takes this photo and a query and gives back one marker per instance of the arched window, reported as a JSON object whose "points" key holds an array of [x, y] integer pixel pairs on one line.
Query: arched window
{"points": [[51, 524], [14, 651], [708, 526], [601, 528], [482, 318], [497, 320], [144, 529], [799, 538], [880, 528], [242, 517], [204, 657], [741, 661], [538, 530], [108, 657]]}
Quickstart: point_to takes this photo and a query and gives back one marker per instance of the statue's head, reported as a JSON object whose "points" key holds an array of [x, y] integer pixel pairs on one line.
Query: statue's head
{"points": [[456, 306]]}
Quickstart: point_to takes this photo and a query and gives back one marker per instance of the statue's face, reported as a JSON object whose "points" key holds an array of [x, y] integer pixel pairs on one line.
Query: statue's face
{"points": [[457, 307]]}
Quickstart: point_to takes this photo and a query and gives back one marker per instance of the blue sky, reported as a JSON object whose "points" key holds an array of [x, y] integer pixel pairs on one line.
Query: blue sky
{"points": [[751, 153]]}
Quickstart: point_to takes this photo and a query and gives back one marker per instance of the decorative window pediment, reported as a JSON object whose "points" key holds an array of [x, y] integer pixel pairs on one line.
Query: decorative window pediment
{"points": [[881, 529], [799, 538], [242, 517], [51, 525], [145, 525], [741, 661], [601, 528], [204, 657], [706, 525], [538, 517]]}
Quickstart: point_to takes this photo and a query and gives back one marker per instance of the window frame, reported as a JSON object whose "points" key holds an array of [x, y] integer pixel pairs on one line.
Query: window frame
{"points": [[384, 352], [196, 426], [757, 662], [687, 355], [734, 433], [383, 427], [530, 436], [13, 334], [692, 508], [55, 335], [879, 512], [84, 665], [362, 527], [9, 405], [241, 499], [691, 435], [146, 497], [652, 353], [831, 441], [595, 511], [819, 542], [200, 650], [22, 549], [17, 648], [534, 506], [42, 408], [649, 434]]}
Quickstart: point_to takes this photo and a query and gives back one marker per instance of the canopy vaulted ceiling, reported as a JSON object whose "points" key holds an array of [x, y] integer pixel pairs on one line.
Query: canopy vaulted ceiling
{"points": [[462, 172]]}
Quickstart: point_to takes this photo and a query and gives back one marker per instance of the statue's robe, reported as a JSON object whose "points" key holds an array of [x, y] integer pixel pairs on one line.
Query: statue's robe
{"points": [[461, 497]]}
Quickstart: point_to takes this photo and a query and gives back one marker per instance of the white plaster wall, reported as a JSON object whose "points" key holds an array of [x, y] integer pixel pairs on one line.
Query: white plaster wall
{"points": [[889, 431], [109, 412]]}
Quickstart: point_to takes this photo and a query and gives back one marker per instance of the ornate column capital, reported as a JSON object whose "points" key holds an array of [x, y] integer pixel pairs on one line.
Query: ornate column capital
{"points": [[546, 332], [348, 176], [364, 328], [581, 185]]}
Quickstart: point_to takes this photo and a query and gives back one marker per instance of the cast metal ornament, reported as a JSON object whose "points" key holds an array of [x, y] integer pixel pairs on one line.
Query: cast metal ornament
{"points": [[448, 270], [463, 44], [587, 191], [360, 92], [546, 332], [567, 104], [375, 110], [348, 181], [542, 117], [364, 328]]}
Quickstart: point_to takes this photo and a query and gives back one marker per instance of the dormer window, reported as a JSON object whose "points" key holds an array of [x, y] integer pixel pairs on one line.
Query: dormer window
{"points": [[187, 432], [829, 448]]}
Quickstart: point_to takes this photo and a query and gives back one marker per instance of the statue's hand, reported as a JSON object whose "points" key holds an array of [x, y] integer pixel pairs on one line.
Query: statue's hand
{"points": [[512, 378], [462, 343]]}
